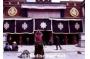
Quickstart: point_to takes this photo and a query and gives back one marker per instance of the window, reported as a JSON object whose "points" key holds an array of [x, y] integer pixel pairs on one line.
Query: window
{"points": [[52, 0], [43, 1], [64, 0], [31, 0]]}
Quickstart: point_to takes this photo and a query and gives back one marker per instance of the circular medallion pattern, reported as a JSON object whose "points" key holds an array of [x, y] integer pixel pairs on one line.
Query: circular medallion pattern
{"points": [[74, 12], [12, 11]]}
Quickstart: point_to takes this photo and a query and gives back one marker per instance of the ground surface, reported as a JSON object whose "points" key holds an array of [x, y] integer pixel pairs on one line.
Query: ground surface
{"points": [[68, 52]]}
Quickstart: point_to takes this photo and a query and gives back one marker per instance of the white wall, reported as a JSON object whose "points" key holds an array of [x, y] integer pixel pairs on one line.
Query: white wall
{"points": [[4, 37], [54, 0], [83, 37], [43, 14], [65, 0], [31, 0]]}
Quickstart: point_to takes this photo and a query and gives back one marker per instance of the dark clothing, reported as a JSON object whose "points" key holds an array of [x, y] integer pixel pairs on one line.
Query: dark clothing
{"points": [[14, 47], [57, 43], [57, 40], [38, 43], [7, 48], [39, 49]]}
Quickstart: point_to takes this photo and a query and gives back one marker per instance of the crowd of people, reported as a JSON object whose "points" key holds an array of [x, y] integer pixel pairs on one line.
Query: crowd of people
{"points": [[13, 47], [38, 39]]}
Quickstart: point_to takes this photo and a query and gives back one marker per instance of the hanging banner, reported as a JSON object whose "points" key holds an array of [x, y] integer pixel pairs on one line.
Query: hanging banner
{"points": [[42, 24], [9, 26], [24, 26], [60, 26], [75, 26]]}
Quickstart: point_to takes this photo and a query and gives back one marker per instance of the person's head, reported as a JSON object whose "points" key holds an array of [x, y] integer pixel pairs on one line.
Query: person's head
{"points": [[38, 31], [7, 43]]}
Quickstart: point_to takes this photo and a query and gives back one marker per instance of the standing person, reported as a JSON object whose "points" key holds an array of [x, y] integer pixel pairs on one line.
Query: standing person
{"points": [[57, 42], [38, 44]]}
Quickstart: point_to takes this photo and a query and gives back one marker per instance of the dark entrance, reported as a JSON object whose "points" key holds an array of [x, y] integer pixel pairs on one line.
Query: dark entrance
{"points": [[21, 39], [48, 38], [67, 39]]}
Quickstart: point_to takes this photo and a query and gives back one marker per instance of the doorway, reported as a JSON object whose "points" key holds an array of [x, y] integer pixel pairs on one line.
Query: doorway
{"points": [[67, 39], [48, 38]]}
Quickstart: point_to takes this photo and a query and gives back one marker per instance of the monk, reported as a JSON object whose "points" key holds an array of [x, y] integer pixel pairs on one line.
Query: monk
{"points": [[39, 51]]}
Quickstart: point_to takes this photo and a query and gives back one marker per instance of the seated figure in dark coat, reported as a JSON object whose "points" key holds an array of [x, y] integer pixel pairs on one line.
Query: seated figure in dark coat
{"points": [[14, 46], [7, 47]]}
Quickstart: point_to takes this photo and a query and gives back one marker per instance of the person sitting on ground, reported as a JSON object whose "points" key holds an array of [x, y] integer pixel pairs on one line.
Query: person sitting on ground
{"points": [[14, 46], [7, 47]]}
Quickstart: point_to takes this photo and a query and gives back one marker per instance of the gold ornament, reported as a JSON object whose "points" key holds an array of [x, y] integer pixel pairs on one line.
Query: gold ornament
{"points": [[12, 11], [74, 12]]}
